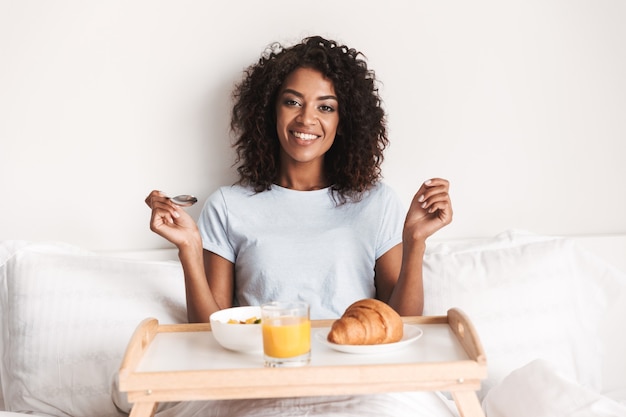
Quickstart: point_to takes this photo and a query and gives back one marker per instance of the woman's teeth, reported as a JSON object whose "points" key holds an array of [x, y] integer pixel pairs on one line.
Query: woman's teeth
{"points": [[304, 136]]}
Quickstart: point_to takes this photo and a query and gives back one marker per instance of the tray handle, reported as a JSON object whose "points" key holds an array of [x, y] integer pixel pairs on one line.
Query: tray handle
{"points": [[141, 338], [467, 335]]}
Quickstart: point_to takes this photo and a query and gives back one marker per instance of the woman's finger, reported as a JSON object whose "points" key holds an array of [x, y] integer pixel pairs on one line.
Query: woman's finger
{"points": [[154, 196]]}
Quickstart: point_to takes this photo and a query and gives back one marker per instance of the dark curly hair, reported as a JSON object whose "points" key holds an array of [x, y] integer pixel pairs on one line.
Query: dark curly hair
{"points": [[353, 163]]}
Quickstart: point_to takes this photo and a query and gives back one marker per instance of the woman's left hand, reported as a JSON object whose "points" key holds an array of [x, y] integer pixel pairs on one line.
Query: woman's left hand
{"points": [[430, 210]]}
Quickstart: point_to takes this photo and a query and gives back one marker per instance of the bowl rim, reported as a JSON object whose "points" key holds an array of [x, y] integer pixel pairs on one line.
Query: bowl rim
{"points": [[223, 320]]}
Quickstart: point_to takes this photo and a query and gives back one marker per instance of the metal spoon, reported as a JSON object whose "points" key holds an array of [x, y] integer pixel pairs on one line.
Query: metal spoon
{"points": [[184, 200]]}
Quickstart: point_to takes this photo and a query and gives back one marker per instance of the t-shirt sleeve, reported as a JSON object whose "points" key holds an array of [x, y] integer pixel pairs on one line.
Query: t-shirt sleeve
{"points": [[391, 221], [213, 226]]}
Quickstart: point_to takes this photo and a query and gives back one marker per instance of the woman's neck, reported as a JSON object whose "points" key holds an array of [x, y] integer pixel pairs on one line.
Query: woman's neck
{"points": [[301, 180], [302, 185]]}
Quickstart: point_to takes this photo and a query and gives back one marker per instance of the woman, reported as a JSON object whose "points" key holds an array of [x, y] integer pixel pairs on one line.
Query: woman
{"points": [[309, 218]]}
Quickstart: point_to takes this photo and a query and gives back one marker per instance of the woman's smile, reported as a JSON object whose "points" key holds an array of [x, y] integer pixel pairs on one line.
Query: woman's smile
{"points": [[304, 136]]}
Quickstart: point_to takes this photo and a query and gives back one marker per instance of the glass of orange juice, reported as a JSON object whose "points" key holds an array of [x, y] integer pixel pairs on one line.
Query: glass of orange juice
{"points": [[286, 328]]}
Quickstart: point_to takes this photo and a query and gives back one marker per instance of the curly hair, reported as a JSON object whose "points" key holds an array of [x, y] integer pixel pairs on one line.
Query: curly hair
{"points": [[353, 163]]}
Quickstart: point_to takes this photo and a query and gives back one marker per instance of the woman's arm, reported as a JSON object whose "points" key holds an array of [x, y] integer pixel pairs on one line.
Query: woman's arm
{"points": [[208, 277], [399, 271]]}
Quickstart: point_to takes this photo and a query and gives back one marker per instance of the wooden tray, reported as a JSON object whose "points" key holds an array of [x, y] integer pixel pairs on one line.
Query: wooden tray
{"points": [[183, 362]]}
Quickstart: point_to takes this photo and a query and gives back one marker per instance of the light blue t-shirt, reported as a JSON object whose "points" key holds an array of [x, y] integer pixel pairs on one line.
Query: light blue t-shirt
{"points": [[300, 245]]}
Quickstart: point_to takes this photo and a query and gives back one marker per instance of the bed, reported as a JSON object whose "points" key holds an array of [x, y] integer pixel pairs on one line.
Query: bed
{"points": [[549, 311]]}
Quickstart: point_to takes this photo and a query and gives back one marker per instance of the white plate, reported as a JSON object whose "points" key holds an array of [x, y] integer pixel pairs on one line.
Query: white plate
{"points": [[411, 334]]}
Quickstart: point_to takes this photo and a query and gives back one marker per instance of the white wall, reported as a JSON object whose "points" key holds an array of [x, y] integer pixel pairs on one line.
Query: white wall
{"points": [[521, 104]]}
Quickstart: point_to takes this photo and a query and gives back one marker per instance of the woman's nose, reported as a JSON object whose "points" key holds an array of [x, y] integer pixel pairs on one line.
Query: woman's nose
{"points": [[307, 115]]}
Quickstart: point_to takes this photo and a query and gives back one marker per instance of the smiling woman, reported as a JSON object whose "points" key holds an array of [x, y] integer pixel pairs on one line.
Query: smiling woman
{"points": [[309, 219]]}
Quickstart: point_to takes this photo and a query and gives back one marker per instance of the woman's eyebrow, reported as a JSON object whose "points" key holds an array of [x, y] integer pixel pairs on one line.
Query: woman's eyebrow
{"points": [[328, 97], [298, 94]]}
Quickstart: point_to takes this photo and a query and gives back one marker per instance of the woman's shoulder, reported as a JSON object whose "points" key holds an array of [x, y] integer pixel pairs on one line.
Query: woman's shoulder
{"points": [[229, 192], [384, 195], [383, 189], [235, 189]]}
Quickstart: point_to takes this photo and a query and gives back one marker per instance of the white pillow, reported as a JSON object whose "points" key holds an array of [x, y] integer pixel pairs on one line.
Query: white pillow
{"points": [[528, 296], [67, 316]]}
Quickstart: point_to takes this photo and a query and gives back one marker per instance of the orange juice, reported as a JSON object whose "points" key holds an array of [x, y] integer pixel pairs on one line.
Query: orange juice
{"points": [[286, 337]]}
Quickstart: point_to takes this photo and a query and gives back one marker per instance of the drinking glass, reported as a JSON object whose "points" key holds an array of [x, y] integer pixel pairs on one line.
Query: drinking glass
{"points": [[286, 328]]}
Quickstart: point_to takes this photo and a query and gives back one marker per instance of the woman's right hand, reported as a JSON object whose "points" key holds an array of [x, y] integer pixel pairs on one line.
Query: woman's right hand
{"points": [[170, 221]]}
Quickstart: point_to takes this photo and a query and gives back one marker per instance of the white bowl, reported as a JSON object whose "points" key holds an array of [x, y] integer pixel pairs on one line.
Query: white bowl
{"points": [[238, 337]]}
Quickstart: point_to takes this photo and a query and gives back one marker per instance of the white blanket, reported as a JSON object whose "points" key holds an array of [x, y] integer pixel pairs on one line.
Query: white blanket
{"points": [[540, 390], [415, 404]]}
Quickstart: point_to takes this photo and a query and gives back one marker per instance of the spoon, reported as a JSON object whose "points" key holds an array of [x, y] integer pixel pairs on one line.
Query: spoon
{"points": [[184, 200]]}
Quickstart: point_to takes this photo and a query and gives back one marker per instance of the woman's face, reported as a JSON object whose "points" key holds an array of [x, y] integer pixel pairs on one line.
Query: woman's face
{"points": [[307, 116]]}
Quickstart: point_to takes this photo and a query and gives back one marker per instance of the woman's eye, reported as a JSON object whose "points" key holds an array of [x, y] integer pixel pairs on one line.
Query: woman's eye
{"points": [[291, 103], [327, 109]]}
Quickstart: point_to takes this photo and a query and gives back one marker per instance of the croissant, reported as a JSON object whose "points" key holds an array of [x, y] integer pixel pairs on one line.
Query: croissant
{"points": [[367, 322]]}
